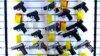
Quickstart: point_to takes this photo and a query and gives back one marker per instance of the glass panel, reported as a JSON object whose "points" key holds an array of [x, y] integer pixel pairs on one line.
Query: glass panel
{"points": [[2, 33]]}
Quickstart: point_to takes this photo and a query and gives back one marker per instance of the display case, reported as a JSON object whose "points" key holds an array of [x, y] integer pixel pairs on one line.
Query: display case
{"points": [[49, 28]]}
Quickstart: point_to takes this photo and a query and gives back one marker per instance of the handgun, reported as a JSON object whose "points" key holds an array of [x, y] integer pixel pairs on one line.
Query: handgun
{"points": [[37, 33], [20, 27], [57, 46], [72, 51], [34, 14], [21, 47], [72, 33], [38, 45], [66, 13], [81, 6], [78, 24], [49, 6], [20, 6], [60, 49], [54, 27], [85, 43]]}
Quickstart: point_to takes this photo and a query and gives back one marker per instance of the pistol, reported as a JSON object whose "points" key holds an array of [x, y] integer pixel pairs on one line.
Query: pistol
{"points": [[37, 33], [85, 43], [20, 6], [78, 24], [50, 6], [38, 45], [66, 13], [34, 14], [60, 49], [81, 6], [20, 27], [73, 33], [21, 47], [72, 51], [54, 27]]}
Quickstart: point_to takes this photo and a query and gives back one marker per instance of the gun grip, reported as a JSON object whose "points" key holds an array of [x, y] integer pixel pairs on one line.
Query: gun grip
{"points": [[78, 38], [37, 18], [82, 27], [59, 50], [69, 16], [23, 9], [44, 46], [72, 51], [85, 8], [40, 36], [24, 30], [23, 51]]}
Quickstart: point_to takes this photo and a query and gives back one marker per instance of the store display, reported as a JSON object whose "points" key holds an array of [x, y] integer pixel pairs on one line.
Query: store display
{"points": [[54, 28]]}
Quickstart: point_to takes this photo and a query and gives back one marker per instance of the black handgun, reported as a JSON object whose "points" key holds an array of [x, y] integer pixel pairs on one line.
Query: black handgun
{"points": [[50, 6], [73, 33], [54, 27], [85, 43], [72, 51], [78, 24], [21, 47], [20, 27], [81, 6], [37, 33], [61, 48], [34, 14], [65, 13], [20, 6]]}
